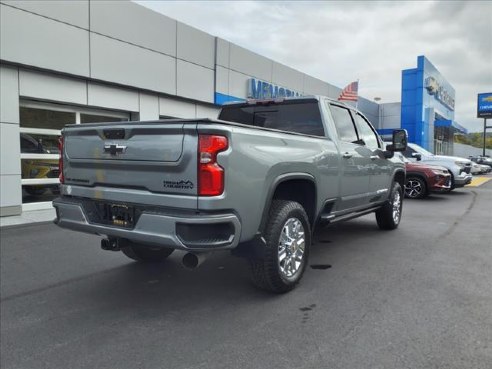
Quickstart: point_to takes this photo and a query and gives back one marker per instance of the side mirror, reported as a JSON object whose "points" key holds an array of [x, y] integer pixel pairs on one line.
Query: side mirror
{"points": [[400, 140], [417, 156]]}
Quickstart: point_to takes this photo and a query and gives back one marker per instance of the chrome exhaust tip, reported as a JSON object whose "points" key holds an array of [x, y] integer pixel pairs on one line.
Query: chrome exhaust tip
{"points": [[193, 261]]}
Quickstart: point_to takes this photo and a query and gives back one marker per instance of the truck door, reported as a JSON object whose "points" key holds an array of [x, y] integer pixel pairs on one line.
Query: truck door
{"points": [[355, 161], [380, 168]]}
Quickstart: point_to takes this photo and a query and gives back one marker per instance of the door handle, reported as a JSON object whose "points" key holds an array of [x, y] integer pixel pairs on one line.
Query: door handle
{"points": [[374, 157], [347, 155]]}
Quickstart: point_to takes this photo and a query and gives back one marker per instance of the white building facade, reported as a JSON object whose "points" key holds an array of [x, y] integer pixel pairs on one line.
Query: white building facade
{"points": [[86, 61]]}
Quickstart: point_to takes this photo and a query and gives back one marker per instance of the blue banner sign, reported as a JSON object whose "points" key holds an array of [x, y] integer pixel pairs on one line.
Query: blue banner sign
{"points": [[484, 107], [263, 90]]}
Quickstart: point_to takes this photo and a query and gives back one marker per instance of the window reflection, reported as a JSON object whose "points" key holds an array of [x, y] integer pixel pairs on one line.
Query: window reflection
{"points": [[38, 144], [45, 119], [92, 118], [36, 193], [39, 168]]}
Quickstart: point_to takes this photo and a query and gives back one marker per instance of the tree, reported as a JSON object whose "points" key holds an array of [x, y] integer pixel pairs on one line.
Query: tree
{"points": [[475, 139]]}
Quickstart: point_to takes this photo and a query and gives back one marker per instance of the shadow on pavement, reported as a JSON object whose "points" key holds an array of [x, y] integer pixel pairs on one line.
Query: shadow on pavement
{"points": [[156, 289]]}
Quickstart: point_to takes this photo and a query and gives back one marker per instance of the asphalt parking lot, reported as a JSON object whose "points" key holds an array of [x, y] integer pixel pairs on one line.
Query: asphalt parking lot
{"points": [[417, 297]]}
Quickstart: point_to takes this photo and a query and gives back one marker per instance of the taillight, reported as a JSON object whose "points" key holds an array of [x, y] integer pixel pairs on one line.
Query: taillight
{"points": [[210, 174], [60, 160]]}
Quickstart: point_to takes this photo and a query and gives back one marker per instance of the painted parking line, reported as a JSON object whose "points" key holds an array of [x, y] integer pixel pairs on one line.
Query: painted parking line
{"points": [[478, 181]]}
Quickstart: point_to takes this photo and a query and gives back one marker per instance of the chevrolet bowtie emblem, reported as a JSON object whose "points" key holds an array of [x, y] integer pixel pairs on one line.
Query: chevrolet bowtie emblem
{"points": [[114, 149]]}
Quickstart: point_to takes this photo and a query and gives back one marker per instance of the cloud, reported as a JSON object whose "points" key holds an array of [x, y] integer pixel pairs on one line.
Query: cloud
{"points": [[339, 42]]}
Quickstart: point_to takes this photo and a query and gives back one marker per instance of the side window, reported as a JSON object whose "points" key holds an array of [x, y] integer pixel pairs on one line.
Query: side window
{"points": [[299, 117], [344, 124], [366, 133]]}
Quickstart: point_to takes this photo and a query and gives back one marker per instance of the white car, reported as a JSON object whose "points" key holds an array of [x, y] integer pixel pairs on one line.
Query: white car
{"points": [[475, 168], [479, 168]]}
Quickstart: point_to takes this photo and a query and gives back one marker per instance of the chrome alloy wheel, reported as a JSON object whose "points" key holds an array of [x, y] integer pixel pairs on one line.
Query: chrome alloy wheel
{"points": [[396, 207], [413, 188], [291, 247]]}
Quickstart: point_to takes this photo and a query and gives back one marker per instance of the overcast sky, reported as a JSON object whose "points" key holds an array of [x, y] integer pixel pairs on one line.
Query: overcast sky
{"points": [[339, 42]]}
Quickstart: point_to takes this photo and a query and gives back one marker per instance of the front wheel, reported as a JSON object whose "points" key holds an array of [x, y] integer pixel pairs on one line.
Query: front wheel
{"points": [[389, 215], [287, 240], [415, 188]]}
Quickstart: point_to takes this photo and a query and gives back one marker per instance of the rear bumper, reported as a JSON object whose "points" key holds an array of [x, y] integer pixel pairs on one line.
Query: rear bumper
{"points": [[198, 232]]}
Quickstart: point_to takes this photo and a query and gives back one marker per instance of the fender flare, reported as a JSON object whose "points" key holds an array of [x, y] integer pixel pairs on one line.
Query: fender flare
{"points": [[273, 187], [398, 172]]}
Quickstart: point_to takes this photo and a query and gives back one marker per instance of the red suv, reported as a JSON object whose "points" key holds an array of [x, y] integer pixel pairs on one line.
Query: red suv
{"points": [[422, 179]]}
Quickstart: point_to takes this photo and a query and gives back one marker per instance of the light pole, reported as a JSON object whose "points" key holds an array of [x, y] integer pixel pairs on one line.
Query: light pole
{"points": [[485, 127]]}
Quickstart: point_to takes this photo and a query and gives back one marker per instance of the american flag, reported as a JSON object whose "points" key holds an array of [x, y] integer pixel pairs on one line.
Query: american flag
{"points": [[349, 93]]}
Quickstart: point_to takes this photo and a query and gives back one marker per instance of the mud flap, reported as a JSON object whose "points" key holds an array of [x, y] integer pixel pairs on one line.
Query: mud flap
{"points": [[254, 248]]}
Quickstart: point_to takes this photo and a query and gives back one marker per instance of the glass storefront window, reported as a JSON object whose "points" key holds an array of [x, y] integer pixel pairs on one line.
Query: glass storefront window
{"points": [[45, 119], [40, 126], [38, 173], [39, 168], [39, 193], [92, 118], [38, 143]]}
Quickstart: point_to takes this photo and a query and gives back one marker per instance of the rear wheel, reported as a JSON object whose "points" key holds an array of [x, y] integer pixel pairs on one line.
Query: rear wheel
{"points": [[287, 239], [415, 188], [389, 215], [145, 253]]}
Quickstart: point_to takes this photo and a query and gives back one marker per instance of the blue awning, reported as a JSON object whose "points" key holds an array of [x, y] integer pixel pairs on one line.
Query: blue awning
{"points": [[450, 123]]}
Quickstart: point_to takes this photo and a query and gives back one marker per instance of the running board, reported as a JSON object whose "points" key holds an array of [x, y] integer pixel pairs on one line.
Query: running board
{"points": [[331, 218]]}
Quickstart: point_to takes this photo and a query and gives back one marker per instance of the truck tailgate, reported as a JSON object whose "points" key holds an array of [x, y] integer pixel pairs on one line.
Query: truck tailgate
{"points": [[153, 156]]}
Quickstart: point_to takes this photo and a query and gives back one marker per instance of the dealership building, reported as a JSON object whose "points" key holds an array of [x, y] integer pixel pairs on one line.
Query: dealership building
{"points": [[90, 61]]}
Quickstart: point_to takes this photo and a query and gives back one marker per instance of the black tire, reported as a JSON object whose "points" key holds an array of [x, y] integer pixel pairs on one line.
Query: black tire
{"points": [[389, 215], [270, 272], [146, 254], [415, 188]]}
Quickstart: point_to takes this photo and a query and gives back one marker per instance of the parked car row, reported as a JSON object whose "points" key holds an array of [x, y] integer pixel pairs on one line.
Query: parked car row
{"points": [[483, 160], [481, 164], [480, 169], [428, 173], [459, 168]]}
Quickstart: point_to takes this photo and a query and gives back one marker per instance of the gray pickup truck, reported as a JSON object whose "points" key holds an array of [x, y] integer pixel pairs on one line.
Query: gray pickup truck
{"points": [[256, 181]]}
